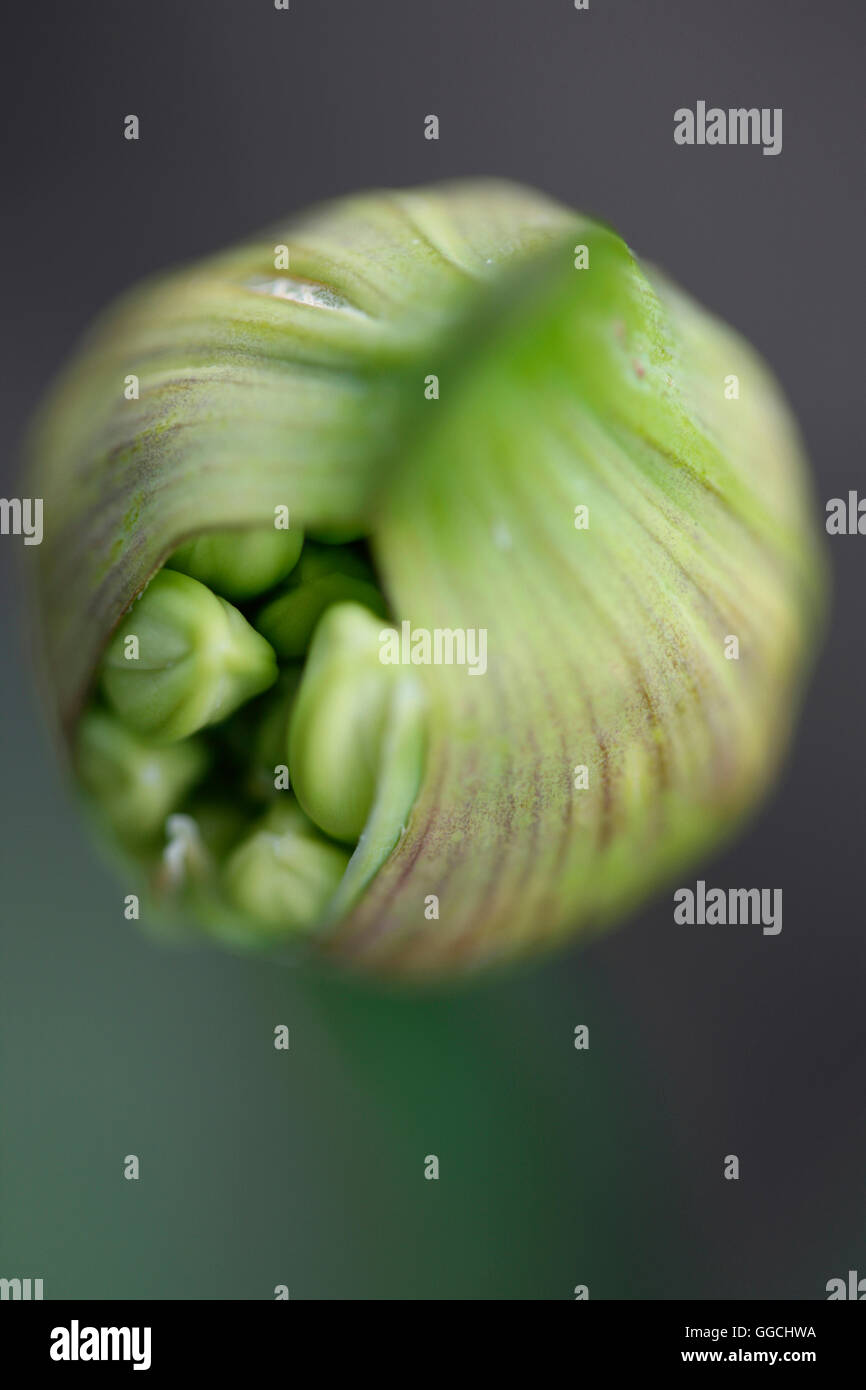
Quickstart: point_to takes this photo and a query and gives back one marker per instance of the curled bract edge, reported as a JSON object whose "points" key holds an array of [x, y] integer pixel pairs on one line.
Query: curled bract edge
{"points": [[535, 437]]}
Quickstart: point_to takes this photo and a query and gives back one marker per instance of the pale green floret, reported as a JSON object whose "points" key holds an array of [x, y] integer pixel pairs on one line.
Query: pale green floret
{"points": [[133, 784], [322, 578], [268, 744], [284, 875], [221, 821], [196, 660], [339, 720], [240, 564], [401, 765]]}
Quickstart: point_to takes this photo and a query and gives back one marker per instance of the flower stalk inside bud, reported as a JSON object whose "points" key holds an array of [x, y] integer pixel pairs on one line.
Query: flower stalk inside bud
{"points": [[242, 699]]}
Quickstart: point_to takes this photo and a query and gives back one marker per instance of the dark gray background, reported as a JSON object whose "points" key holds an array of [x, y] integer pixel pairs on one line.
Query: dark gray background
{"points": [[705, 1043]]}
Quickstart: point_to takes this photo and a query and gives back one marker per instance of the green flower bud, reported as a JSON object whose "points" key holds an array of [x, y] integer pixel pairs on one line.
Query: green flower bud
{"points": [[239, 564], [597, 575], [183, 659], [283, 876], [323, 577], [133, 785], [256, 739], [339, 721]]}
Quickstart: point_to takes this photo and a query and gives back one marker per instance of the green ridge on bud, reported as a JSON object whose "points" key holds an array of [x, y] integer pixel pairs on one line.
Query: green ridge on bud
{"points": [[239, 564], [133, 784], [182, 659], [324, 576], [285, 873]]}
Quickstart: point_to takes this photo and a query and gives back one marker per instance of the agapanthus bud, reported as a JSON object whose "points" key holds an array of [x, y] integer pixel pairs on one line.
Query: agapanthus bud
{"points": [[184, 659], [324, 576], [559, 584], [339, 721], [239, 565], [134, 785]]}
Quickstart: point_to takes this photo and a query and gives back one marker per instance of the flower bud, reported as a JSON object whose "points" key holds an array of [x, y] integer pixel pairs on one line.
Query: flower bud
{"points": [[282, 877], [133, 785], [183, 659], [324, 576], [239, 564], [600, 574], [339, 721]]}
